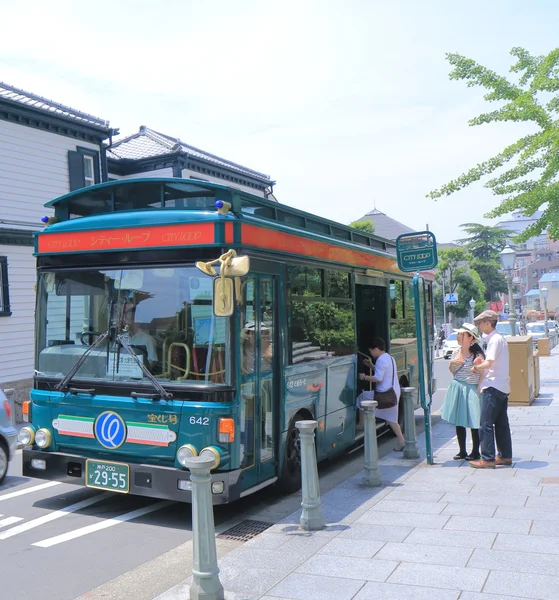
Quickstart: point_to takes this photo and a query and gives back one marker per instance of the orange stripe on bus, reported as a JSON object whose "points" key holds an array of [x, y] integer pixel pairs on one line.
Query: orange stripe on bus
{"points": [[228, 233], [134, 238], [294, 244]]}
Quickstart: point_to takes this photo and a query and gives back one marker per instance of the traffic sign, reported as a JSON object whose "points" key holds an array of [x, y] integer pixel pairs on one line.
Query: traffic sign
{"points": [[416, 251], [451, 298]]}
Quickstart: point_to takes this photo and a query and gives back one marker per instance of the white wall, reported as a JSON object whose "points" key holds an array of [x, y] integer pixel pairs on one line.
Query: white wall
{"points": [[17, 331], [33, 171]]}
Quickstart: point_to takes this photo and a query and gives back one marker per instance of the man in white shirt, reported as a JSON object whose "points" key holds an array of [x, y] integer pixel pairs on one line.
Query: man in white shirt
{"points": [[495, 388], [137, 337]]}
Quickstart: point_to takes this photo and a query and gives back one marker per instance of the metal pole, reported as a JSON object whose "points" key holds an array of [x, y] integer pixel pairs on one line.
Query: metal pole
{"points": [[545, 316], [444, 303], [512, 314], [205, 574], [410, 449], [312, 518], [372, 472]]}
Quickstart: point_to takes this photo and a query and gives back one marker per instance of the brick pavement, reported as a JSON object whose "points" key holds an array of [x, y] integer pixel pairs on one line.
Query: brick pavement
{"points": [[441, 532]]}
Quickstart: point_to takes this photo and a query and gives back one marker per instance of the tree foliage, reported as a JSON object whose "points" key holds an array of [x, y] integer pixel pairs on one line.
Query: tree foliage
{"points": [[531, 182], [484, 242], [459, 278], [366, 226]]}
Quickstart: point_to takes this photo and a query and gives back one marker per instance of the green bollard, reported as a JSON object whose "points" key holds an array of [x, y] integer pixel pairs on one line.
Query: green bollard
{"points": [[312, 518], [410, 437], [205, 574], [372, 476]]}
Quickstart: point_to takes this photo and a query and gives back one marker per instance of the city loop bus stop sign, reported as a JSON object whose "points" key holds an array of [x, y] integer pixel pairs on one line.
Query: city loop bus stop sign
{"points": [[416, 251]]}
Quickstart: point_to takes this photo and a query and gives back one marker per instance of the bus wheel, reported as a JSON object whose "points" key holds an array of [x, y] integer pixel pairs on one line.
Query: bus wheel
{"points": [[290, 480]]}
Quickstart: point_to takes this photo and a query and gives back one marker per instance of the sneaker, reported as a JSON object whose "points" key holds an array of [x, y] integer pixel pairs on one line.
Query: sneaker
{"points": [[460, 456], [475, 456], [503, 462], [482, 464]]}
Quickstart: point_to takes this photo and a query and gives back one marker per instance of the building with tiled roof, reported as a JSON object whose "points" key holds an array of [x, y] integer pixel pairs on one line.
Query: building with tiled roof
{"points": [[150, 153], [386, 226]]}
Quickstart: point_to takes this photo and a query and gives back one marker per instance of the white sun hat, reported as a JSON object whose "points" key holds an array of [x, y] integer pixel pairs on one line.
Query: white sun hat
{"points": [[468, 328]]}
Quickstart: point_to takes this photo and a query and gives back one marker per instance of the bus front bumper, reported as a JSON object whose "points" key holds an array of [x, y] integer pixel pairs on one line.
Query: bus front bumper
{"points": [[153, 481]]}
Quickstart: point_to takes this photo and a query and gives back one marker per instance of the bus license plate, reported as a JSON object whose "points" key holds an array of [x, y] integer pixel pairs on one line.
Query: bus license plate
{"points": [[107, 476]]}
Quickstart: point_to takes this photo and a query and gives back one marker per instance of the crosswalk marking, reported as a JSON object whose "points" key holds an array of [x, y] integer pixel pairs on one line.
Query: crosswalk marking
{"points": [[29, 490], [53, 515], [10, 521], [65, 537]]}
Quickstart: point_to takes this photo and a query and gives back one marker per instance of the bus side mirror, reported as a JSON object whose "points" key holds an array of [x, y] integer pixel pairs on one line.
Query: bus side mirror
{"points": [[224, 297], [238, 266]]}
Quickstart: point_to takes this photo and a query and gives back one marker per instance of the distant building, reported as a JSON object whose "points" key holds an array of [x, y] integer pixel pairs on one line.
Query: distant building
{"points": [[385, 226]]}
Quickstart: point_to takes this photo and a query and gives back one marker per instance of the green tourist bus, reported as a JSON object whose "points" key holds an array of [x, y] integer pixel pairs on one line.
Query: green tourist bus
{"points": [[177, 318]]}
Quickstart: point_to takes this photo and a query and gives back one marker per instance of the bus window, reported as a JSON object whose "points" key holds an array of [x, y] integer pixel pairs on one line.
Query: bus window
{"points": [[319, 330], [304, 281], [165, 315]]}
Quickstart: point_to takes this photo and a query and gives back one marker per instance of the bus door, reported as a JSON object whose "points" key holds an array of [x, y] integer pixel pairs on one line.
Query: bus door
{"points": [[259, 357]]}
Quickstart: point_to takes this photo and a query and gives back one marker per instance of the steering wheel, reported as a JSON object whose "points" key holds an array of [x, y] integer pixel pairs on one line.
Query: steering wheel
{"points": [[88, 334]]}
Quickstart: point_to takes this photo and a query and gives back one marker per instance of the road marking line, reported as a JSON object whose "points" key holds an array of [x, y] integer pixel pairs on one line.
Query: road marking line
{"points": [[34, 488], [57, 514], [10, 521], [65, 537]]}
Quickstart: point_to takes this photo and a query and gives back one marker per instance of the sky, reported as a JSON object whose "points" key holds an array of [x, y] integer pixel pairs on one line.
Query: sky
{"points": [[346, 105]]}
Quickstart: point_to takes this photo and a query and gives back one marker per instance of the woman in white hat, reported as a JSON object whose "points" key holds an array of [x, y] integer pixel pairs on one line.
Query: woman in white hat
{"points": [[462, 403]]}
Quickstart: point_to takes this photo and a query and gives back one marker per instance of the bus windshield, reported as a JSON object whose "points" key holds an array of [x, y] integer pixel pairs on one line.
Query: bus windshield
{"points": [[165, 315]]}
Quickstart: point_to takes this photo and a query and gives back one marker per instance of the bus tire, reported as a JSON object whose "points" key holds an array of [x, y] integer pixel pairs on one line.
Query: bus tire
{"points": [[290, 479]]}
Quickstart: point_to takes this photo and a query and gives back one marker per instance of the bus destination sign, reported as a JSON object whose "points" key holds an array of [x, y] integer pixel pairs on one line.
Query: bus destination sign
{"points": [[416, 251]]}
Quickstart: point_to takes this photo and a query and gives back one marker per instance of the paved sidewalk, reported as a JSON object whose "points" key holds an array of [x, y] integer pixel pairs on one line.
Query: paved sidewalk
{"points": [[441, 532]]}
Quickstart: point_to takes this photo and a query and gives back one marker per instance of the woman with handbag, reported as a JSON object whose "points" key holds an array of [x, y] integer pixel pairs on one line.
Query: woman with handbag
{"points": [[387, 387], [462, 403]]}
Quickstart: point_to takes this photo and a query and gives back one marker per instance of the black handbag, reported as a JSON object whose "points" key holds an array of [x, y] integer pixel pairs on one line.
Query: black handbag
{"points": [[387, 399]]}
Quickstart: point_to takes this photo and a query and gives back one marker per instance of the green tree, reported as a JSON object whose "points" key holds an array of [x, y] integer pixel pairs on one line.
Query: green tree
{"points": [[533, 96], [366, 226], [459, 278], [484, 242]]}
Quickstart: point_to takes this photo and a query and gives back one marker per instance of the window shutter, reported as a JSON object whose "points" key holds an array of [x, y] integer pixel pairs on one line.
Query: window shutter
{"points": [[75, 169]]}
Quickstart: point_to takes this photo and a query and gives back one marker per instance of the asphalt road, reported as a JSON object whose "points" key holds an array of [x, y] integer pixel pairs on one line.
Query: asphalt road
{"points": [[61, 541]]}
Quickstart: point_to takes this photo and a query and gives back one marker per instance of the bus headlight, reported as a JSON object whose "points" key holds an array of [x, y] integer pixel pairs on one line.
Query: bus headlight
{"points": [[215, 453], [26, 436], [43, 438], [185, 452]]}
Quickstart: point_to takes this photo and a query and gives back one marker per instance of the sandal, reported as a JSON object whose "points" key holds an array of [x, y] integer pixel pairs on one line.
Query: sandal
{"points": [[398, 448]]}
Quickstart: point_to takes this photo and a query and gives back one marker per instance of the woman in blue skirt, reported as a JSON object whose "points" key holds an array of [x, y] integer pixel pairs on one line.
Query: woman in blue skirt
{"points": [[462, 403]]}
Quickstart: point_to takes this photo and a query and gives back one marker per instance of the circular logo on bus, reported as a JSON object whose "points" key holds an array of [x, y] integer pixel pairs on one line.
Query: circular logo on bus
{"points": [[110, 430]]}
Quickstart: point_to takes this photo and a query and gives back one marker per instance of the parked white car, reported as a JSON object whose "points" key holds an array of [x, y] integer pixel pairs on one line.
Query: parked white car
{"points": [[450, 345], [504, 328], [536, 330]]}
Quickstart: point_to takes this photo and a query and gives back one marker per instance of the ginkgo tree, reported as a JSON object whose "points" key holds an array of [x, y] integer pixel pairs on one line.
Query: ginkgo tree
{"points": [[525, 174]]}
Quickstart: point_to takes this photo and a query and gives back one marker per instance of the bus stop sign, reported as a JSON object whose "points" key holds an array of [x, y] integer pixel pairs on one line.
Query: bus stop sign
{"points": [[416, 251]]}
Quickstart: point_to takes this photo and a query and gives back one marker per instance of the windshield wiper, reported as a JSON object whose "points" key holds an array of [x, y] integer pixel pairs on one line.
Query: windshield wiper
{"points": [[122, 339], [62, 385]]}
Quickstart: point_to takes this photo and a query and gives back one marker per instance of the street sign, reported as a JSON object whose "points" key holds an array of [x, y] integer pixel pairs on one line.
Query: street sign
{"points": [[451, 298], [416, 251]]}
